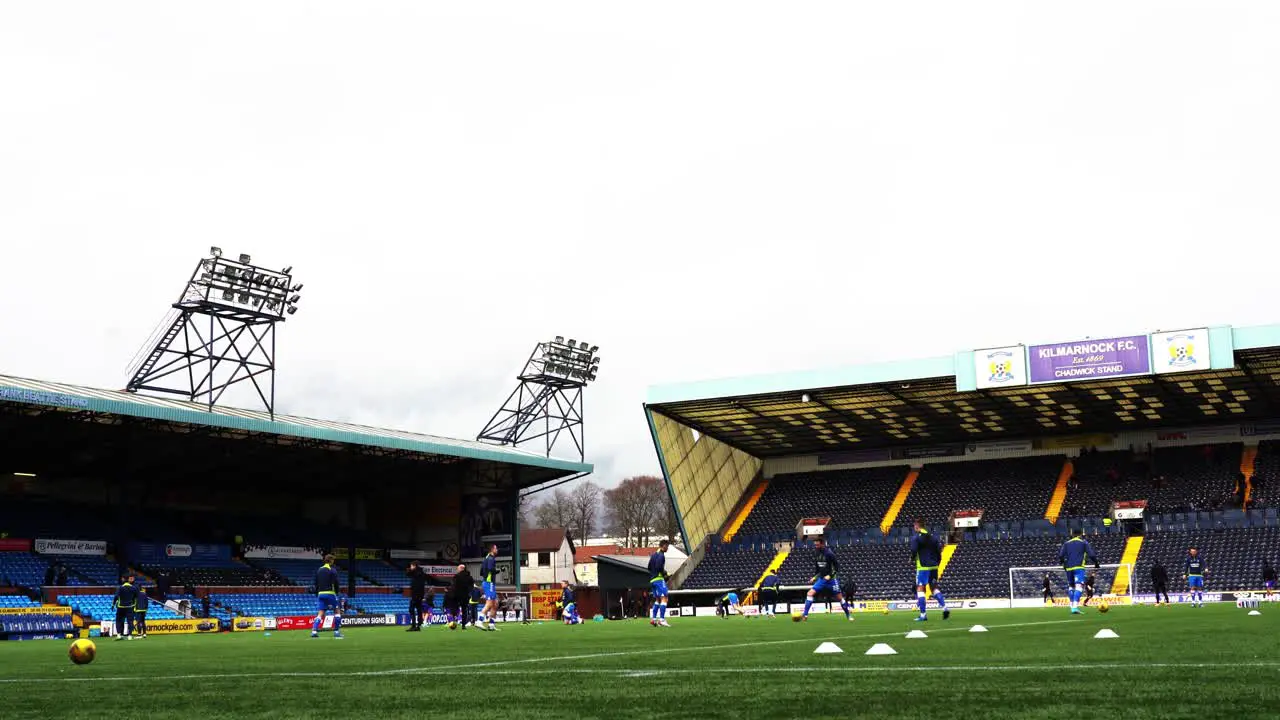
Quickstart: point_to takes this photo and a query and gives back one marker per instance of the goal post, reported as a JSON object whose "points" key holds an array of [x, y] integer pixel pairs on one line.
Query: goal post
{"points": [[515, 606], [1113, 583]]}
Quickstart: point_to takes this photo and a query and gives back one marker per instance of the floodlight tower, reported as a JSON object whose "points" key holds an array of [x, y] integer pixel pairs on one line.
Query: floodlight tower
{"points": [[548, 401], [220, 332]]}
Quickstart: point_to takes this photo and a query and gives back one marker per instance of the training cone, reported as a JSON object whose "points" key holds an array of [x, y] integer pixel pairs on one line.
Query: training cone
{"points": [[978, 628], [881, 649], [1254, 612], [916, 635], [1105, 634], [828, 648]]}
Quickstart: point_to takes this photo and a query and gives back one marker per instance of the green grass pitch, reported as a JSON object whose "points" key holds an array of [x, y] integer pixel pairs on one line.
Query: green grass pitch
{"points": [[1175, 662]]}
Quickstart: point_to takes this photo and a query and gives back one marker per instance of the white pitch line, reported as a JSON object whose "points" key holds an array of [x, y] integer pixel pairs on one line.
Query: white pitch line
{"points": [[439, 670]]}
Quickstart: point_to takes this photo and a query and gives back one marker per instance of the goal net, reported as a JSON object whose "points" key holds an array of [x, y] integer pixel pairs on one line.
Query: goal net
{"points": [[514, 606], [1112, 582]]}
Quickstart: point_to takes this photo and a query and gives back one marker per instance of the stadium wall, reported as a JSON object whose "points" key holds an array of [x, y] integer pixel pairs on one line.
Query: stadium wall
{"points": [[705, 477]]}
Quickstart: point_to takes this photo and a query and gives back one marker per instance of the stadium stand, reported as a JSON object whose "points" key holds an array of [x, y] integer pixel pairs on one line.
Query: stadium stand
{"points": [[377, 572], [853, 499], [1197, 477], [979, 569], [730, 566], [230, 573], [17, 601], [1103, 477], [265, 604], [1007, 489], [98, 607], [1234, 556], [1266, 476]]}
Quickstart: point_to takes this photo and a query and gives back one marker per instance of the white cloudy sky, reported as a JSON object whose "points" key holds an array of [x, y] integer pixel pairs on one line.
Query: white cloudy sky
{"points": [[703, 189]]}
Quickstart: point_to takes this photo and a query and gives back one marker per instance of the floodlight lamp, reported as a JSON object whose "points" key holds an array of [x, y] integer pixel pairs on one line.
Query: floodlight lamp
{"points": [[295, 298], [297, 288], [215, 251], [292, 309], [205, 278], [245, 298], [804, 398], [287, 270], [244, 258], [560, 339], [595, 349], [228, 295]]}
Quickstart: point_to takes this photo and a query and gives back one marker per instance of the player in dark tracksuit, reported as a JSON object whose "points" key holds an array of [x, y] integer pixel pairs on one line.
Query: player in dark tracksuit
{"points": [[417, 592], [1160, 582], [473, 606], [1047, 593], [1089, 581], [926, 552], [140, 612], [769, 593], [125, 601]]}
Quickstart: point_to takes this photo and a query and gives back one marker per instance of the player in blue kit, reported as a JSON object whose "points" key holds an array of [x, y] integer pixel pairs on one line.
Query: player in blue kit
{"points": [[926, 553], [327, 598], [825, 579], [568, 608], [1073, 554], [488, 576], [1195, 570], [658, 585]]}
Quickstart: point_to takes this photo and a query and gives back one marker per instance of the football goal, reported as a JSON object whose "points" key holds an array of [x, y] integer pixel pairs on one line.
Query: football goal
{"points": [[1112, 581]]}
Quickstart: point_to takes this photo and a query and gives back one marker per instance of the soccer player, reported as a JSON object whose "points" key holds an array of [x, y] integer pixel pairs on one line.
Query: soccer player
{"points": [[1089, 581], [140, 612], [730, 601], [568, 608], [1073, 554], [927, 555], [1160, 582], [825, 580], [124, 602], [327, 599], [769, 593], [1268, 578], [658, 585], [1195, 571], [488, 579], [417, 592], [1047, 593]]}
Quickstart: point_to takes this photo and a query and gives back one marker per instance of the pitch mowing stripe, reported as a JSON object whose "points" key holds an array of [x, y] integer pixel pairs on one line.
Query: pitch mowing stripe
{"points": [[444, 670]]}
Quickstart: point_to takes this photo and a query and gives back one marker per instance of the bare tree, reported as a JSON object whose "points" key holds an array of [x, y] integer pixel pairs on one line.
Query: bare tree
{"points": [[555, 510], [584, 504], [640, 508]]}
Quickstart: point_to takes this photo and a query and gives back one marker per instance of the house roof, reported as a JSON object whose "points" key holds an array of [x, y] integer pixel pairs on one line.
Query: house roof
{"points": [[585, 555], [541, 539]]}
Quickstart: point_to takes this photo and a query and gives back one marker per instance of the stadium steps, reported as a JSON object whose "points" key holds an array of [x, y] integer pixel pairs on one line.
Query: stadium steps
{"points": [[747, 506], [1128, 560], [773, 566], [1060, 492], [947, 551], [1248, 461], [895, 507]]}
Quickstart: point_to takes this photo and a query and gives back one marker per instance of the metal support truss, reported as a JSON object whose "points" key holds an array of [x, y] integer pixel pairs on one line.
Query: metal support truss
{"points": [[546, 405]]}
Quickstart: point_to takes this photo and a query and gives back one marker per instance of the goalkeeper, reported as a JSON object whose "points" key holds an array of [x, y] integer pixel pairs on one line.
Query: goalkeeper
{"points": [[1073, 554]]}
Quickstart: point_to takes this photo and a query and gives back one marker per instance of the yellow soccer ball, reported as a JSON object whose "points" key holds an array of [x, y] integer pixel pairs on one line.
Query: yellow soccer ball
{"points": [[82, 652], [796, 617], [1103, 607]]}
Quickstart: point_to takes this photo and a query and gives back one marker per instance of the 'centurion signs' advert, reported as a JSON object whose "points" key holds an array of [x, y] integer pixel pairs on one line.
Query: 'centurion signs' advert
{"points": [[1089, 359]]}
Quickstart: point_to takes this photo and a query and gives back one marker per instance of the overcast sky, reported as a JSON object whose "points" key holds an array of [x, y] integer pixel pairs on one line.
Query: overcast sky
{"points": [[703, 189]]}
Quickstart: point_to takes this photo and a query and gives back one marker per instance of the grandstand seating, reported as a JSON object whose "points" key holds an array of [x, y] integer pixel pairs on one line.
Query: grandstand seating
{"points": [[1266, 475], [980, 569], [851, 498], [265, 604], [1102, 478], [17, 601], [729, 567], [378, 572], [99, 607], [216, 573], [27, 570], [1007, 489], [1192, 480], [1234, 556]]}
